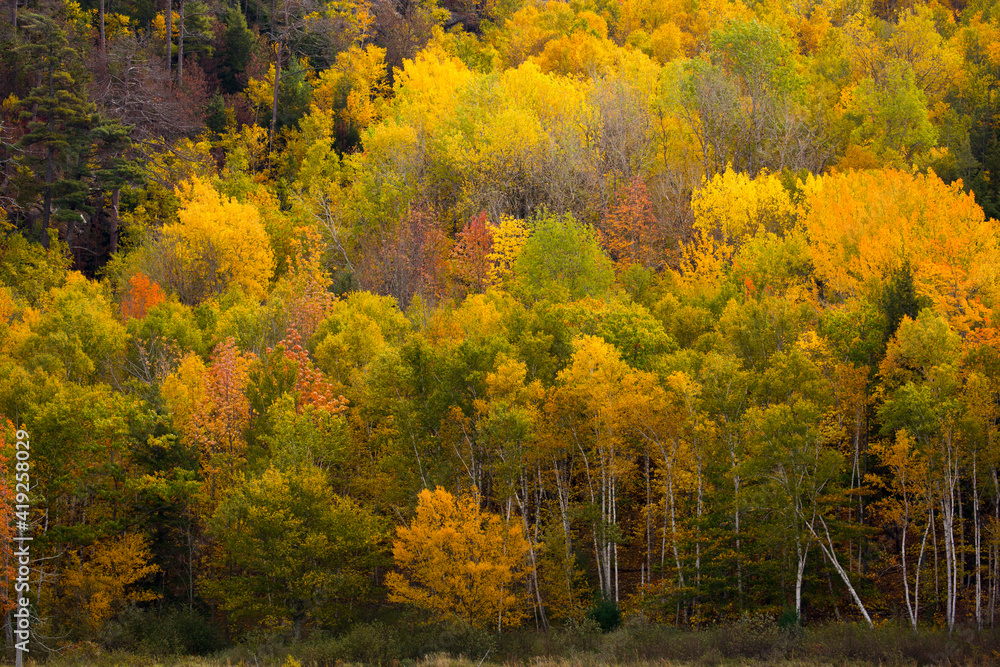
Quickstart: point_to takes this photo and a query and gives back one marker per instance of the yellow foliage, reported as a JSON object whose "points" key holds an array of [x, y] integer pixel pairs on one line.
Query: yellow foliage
{"points": [[80, 19], [160, 25], [184, 390], [100, 587], [667, 43], [508, 239], [246, 149], [354, 87], [260, 92], [184, 160], [703, 265], [581, 53], [734, 206], [428, 89], [118, 25], [460, 562], [550, 98], [217, 243]]}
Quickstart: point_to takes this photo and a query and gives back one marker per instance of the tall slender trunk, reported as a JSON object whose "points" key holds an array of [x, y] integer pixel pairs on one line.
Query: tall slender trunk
{"points": [[113, 222], [101, 28], [913, 609], [180, 45], [649, 521], [951, 568], [978, 544], [533, 589], [995, 546], [274, 96], [170, 37], [802, 551], [828, 550]]}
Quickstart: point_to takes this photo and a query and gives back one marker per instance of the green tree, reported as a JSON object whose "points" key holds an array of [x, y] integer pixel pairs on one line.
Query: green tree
{"points": [[561, 260], [292, 554], [58, 117], [238, 49]]}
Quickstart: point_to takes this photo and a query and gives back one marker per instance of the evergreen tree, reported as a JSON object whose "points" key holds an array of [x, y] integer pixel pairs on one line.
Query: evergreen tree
{"points": [[239, 46], [58, 117]]}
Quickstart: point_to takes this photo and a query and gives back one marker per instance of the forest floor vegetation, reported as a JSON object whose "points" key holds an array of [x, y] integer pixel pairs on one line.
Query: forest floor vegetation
{"points": [[755, 640]]}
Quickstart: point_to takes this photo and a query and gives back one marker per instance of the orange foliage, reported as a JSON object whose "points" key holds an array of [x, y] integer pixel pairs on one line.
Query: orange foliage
{"points": [[218, 423], [863, 226], [142, 295], [310, 298], [311, 385], [629, 228]]}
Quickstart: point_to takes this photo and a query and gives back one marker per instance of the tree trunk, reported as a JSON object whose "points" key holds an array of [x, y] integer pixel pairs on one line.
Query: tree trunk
{"points": [[274, 98], [977, 546], [170, 37], [101, 13], [828, 550], [803, 554], [8, 630], [180, 46], [115, 196]]}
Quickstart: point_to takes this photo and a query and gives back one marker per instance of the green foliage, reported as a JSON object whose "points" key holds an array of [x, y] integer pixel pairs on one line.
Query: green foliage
{"points": [[75, 336], [59, 120], [321, 550], [237, 50], [28, 270], [606, 614], [562, 260], [891, 117]]}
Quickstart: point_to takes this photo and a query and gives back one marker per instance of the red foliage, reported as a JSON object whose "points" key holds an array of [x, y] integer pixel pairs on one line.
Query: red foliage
{"points": [[470, 255]]}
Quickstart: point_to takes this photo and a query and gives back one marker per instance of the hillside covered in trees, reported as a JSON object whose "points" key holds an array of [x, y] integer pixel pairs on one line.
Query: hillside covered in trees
{"points": [[506, 314]]}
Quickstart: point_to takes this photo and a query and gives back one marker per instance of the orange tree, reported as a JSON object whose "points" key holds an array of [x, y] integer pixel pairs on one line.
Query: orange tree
{"points": [[459, 562]]}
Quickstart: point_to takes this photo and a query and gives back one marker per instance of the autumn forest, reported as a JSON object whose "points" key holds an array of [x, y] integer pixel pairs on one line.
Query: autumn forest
{"points": [[321, 317]]}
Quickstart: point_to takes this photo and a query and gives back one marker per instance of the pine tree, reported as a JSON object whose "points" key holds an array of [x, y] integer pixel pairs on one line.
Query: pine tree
{"points": [[59, 119]]}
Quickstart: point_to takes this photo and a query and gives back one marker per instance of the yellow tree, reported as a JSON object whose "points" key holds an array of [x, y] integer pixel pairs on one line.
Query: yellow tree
{"points": [[460, 562], [508, 239], [734, 206], [100, 586], [217, 243], [592, 406]]}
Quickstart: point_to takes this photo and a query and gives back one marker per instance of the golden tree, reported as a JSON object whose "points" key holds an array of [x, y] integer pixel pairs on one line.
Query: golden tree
{"points": [[216, 243], [459, 562]]}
